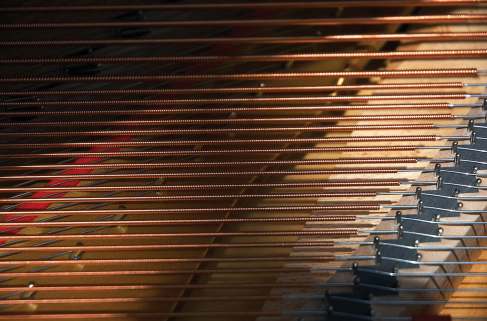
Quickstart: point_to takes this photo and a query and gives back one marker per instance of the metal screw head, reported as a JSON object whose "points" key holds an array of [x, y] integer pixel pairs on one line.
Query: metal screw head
{"points": [[419, 257], [437, 218], [459, 205], [478, 181], [455, 193], [475, 169], [416, 243], [440, 231]]}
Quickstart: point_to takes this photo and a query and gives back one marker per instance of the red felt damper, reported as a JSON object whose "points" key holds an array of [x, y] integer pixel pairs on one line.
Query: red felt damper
{"points": [[59, 182]]}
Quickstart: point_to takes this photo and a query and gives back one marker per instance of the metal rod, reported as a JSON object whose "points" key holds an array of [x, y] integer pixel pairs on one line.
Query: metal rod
{"points": [[233, 142], [86, 188], [417, 54], [162, 299], [237, 89], [159, 102], [222, 151], [163, 247], [463, 18], [156, 272], [371, 207], [158, 315], [405, 160], [202, 174], [227, 121], [167, 198], [269, 5], [167, 111], [300, 258], [221, 130], [341, 232], [459, 72], [444, 36]]}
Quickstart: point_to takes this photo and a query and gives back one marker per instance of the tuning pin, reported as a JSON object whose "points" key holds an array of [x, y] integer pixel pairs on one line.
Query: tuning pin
{"points": [[28, 295], [356, 283], [473, 138], [454, 147], [120, 217], [456, 160], [398, 219], [76, 255], [260, 93], [417, 194], [376, 243], [378, 257], [420, 207], [354, 268], [400, 231], [132, 32], [437, 169], [439, 183], [82, 69]]}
